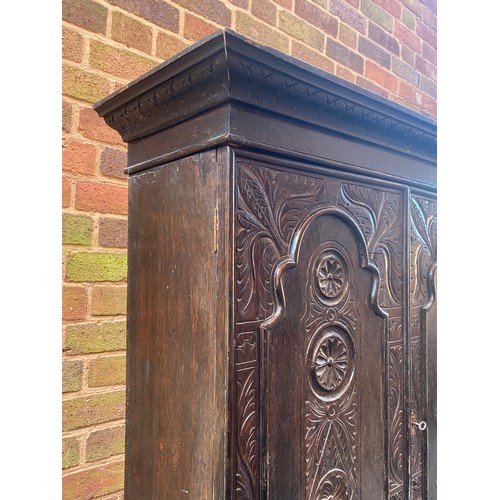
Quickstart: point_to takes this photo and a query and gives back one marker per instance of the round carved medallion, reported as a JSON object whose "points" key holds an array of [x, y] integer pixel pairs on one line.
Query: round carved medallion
{"points": [[331, 277]]}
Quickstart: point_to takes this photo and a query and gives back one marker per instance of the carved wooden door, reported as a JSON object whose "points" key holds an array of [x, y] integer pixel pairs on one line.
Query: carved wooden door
{"points": [[333, 305]]}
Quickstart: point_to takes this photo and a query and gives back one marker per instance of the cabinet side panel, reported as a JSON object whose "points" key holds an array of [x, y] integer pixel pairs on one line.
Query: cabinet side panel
{"points": [[173, 415]]}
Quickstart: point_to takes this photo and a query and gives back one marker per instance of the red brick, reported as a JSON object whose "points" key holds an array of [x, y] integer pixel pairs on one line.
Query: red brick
{"points": [[242, 3], [410, 93], [167, 45], [72, 45], [113, 232], [105, 443], [374, 52], [214, 10], [350, 16], [348, 36], [317, 17], [414, 5], [265, 10], [93, 126], [113, 162], [391, 6], [156, 11], [288, 4], [100, 197], [354, 3], [78, 157], [248, 25], [83, 85], [304, 53], [429, 53], [109, 300], [430, 105], [86, 13], [72, 371], [407, 55], [404, 35], [196, 28], [66, 191], [428, 86], [363, 82], [383, 38], [344, 56], [67, 116], [429, 18], [426, 68], [74, 302], [345, 74], [107, 371], [92, 483], [427, 34], [380, 76]]}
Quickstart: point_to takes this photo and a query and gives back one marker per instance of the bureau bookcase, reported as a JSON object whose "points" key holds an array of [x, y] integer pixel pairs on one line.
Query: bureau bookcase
{"points": [[281, 335]]}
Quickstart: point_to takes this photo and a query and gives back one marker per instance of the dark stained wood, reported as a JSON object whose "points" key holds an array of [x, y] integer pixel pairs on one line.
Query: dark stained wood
{"points": [[282, 268]]}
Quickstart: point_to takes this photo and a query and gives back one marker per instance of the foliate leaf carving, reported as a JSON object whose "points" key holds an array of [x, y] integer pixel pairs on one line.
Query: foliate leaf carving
{"points": [[270, 204]]}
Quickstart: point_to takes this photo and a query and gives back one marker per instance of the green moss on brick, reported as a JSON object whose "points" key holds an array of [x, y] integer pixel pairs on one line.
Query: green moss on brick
{"points": [[90, 410], [70, 452], [299, 29], [105, 443], [408, 19], [86, 266], [82, 85], [95, 337], [72, 376], [76, 229], [261, 32], [376, 14], [106, 371]]}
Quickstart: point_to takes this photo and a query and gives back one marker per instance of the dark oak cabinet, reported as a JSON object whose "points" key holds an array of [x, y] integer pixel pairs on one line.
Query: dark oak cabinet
{"points": [[281, 294]]}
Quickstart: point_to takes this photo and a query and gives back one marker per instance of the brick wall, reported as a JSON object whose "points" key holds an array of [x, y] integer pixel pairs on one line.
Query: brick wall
{"points": [[386, 46]]}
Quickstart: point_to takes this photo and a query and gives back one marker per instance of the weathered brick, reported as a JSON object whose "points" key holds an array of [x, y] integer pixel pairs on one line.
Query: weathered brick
{"points": [[78, 157], [407, 55], [196, 28], [430, 105], [428, 86], [376, 14], [308, 55], [354, 3], [348, 36], [214, 10], [429, 53], [119, 62], [107, 371], [301, 30], [105, 443], [113, 162], [74, 302], [72, 45], [70, 452], [100, 197], [158, 12], [66, 191], [317, 17], [76, 229], [427, 34], [92, 126], [92, 483], [71, 375], [407, 37], [383, 38], [410, 93], [405, 71], [344, 55], [265, 10], [113, 233], [95, 267], [363, 82], [86, 13], [432, 4], [429, 18], [67, 116], [168, 46], [242, 3], [350, 16], [288, 3], [414, 5], [109, 300], [381, 76], [374, 52], [261, 32], [408, 19], [392, 6], [86, 338], [131, 32], [345, 73], [426, 68], [83, 85]]}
